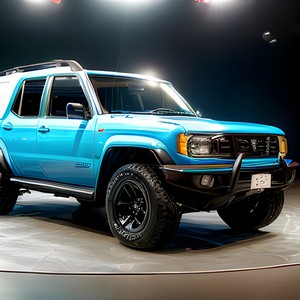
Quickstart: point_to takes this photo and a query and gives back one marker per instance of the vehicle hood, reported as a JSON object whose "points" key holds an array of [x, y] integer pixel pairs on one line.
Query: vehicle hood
{"points": [[203, 125]]}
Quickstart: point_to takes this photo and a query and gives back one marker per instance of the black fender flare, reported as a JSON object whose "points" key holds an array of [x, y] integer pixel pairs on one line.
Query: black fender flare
{"points": [[4, 167]]}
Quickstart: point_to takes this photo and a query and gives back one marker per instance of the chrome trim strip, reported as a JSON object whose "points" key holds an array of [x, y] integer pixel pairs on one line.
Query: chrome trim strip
{"points": [[182, 168]]}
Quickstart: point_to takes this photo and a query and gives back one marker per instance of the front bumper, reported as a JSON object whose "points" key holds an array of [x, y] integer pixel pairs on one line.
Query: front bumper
{"points": [[227, 179]]}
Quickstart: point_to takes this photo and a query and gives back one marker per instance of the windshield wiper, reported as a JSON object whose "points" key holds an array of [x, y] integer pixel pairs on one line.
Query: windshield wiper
{"points": [[157, 111], [162, 110]]}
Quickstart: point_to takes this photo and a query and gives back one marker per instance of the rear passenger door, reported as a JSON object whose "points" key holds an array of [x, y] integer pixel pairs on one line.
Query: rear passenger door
{"points": [[65, 146], [19, 128]]}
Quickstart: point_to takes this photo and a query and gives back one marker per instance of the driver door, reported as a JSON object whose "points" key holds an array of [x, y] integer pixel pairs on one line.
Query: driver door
{"points": [[64, 145]]}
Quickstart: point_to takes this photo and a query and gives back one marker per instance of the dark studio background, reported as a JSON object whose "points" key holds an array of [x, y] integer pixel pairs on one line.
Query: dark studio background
{"points": [[213, 53]]}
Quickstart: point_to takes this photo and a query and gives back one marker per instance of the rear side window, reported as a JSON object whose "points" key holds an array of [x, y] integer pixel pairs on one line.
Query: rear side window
{"points": [[27, 102]]}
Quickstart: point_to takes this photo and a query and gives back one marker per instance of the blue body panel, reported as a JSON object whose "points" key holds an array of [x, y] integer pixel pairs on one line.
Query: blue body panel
{"points": [[161, 133], [71, 151]]}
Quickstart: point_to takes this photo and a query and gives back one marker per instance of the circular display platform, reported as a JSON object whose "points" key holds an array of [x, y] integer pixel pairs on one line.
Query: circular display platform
{"points": [[46, 234]]}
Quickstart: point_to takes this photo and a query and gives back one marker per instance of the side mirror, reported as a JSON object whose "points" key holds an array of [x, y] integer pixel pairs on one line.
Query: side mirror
{"points": [[198, 113], [76, 111]]}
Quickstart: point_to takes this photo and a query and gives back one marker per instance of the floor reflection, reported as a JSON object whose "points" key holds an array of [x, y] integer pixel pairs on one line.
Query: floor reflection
{"points": [[197, 231], [48, 234]]}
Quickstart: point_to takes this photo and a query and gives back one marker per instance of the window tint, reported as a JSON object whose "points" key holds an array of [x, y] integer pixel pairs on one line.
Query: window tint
{"points": [[65, 90], [27, 103], [129, 95], [120, 95]]}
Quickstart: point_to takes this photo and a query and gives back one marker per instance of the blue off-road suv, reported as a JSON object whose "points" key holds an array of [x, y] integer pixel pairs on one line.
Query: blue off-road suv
{"points": [[133, 145]]}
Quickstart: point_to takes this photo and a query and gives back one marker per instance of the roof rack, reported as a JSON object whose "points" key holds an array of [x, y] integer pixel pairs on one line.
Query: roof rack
{"points": [[74, 65]]}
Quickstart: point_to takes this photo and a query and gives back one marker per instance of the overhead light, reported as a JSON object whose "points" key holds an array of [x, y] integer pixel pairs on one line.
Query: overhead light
{"points": [[37, 1], [202, 1], [268, 37], [44, 1], [126, 1], [212, 1]]}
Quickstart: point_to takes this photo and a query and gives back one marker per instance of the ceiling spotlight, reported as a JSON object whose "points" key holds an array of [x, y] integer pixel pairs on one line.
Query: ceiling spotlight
{"points": [[37, 1], [212, 1], [268, 37], [44, 1], [126, 1]]}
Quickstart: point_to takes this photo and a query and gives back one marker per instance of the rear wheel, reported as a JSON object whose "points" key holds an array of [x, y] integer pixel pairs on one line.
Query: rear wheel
{"points": [[253, 212], [140, 213], [9, 194]]}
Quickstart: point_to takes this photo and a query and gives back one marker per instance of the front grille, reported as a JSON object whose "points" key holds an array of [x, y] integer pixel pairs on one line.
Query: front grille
{"points": [[257, 145], [232, 145], [225, 145], [222, 145]]}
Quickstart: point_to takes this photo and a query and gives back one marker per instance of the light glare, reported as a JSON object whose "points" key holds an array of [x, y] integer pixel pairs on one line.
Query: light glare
{"points": [[149, 73], [43, 1], [174, 96], [126, 1], [212, 1], [37, 1], [220, 1]]}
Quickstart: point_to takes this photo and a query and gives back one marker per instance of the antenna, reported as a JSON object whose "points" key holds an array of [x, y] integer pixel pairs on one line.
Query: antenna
{"points": [[122, 37]]}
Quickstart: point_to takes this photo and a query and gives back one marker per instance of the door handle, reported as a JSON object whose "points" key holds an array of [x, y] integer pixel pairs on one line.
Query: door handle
{"points": [[43, 129], [7, 126]]}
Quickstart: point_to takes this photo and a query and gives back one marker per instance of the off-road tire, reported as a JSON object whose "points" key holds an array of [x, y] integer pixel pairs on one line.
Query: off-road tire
{"points": [[253, 212], [140, 213], [9, 194]]}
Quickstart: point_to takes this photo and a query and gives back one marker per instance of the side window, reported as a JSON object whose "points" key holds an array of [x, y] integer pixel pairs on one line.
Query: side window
{"points": [[65, 90], [27, 102]]}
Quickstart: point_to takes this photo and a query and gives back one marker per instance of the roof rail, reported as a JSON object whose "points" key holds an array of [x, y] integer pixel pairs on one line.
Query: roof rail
{"points": [[74, 65]]}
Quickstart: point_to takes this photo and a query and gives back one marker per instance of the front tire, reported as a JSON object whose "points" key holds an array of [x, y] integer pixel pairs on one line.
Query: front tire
{"points": [[140, 213], [253, 212]]}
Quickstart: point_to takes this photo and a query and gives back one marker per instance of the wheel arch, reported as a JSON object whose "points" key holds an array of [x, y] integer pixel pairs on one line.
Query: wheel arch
{"points": [[4, 160], [116, 157]]}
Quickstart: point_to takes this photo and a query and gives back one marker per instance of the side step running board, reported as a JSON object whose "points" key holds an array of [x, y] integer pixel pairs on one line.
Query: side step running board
{"points": [[56, 188]]}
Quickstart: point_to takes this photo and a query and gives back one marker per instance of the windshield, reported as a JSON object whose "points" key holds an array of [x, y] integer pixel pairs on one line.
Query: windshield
{"points": [[129, 95]]}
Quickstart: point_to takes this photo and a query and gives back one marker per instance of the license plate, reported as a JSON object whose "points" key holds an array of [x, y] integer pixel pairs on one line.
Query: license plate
{"points": [[260, 181]]}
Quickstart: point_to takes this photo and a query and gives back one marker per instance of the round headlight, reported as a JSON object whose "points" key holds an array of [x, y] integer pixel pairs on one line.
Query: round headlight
{"points": [[198, 146]]}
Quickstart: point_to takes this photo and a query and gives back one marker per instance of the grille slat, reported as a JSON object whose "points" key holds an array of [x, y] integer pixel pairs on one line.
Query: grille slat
{"points": [[225, 146]]}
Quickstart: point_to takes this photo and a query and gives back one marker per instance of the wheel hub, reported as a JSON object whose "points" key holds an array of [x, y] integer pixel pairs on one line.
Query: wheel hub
{"points": [[131, 206]]}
